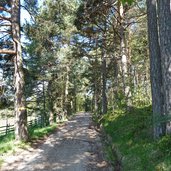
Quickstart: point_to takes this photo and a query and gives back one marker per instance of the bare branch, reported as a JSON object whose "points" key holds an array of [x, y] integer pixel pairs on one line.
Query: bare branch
{"points": [[5, 25], [5, 31], [7, 51], [4, 9], [5, 18], [4, 36]]}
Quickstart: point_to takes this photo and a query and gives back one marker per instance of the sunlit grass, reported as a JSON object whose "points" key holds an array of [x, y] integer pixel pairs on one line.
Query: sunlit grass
{"points": [[131, 134], [7, 142], [1, 162], [41, 132]]}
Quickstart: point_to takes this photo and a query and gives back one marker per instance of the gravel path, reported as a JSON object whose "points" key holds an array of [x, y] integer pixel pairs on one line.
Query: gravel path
{"points": [[74, 147]]}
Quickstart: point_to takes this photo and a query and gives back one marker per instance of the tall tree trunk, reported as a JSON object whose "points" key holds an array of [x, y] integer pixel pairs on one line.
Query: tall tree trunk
{"points": [[95, 96], [67, 104], [155, 66], [50, 102], [104, 72], [115, 81], [164, 15], [44, 117], [75, 95], [123, 50], [104, 97], [67, 84], [21, 131], [115, 71]]}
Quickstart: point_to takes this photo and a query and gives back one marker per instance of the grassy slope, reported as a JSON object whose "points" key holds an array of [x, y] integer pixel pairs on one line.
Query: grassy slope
{"points": [[131, 134]]}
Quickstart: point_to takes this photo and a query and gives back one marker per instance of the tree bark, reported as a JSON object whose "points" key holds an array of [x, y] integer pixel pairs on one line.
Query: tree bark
{"points": [[7, 51], [21, 131], [66, 100], [164, 15], [104, 72], [44, 116], [67, 84], [50, 102], [95, 96], [155, 67], [75, 95], [115, 81], [123, 52], [104, 97]]}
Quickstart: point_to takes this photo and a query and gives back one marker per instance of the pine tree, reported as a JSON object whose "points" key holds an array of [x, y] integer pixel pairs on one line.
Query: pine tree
{"points": [[21, 132]]}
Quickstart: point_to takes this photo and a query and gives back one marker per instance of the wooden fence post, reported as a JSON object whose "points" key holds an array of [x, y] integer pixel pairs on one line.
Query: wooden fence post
{"points": [[6, 132], [37, 122]]}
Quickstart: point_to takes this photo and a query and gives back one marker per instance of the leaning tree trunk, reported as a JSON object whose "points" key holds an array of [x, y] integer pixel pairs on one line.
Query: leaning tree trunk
{"points": [[164, 15], [21, 132], [155, 67]]}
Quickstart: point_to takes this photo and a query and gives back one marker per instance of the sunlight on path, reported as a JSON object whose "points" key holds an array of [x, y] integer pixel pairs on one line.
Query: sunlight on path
{"points": [[74, 147]]}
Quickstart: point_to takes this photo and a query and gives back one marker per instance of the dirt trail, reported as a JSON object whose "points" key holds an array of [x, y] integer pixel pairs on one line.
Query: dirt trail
{"points": [[74, 147]]}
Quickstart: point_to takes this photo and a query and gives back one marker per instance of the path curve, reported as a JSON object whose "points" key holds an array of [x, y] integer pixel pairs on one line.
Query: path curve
{"points": [[75, 146]]}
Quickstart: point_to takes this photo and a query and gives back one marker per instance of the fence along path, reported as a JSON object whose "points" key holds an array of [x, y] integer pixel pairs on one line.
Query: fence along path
{"points": [[8, 128]]}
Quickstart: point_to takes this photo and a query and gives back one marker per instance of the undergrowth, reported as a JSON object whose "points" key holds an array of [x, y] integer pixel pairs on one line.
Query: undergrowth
{"points": [[7, 142], [41, 132], [132, 142]]}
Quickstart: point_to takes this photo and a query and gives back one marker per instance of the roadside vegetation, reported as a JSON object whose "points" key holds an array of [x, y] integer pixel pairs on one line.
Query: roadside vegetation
{"points": [[131, 144], [7, 142]]}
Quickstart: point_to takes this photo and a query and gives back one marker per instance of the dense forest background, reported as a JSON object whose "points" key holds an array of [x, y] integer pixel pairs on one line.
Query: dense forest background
{"points": [[109, 57]]}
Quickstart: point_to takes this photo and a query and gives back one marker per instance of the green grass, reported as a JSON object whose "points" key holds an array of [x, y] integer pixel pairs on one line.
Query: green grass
{"points": [[7, 142], [131, 136], [1, 162], [41, 132]]}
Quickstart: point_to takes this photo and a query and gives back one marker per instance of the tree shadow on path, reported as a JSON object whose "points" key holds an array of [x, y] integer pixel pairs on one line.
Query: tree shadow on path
{"points": [[74, 147]]}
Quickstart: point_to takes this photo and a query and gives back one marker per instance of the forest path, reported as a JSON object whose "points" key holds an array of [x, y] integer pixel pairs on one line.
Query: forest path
{"points": [[75, 146]]}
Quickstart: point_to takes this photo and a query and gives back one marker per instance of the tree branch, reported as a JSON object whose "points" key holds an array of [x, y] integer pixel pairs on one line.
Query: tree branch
{"points": [[4, 9], [4, 36], [5, 18], [7, 51], [5, 25], [5, 31]]}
